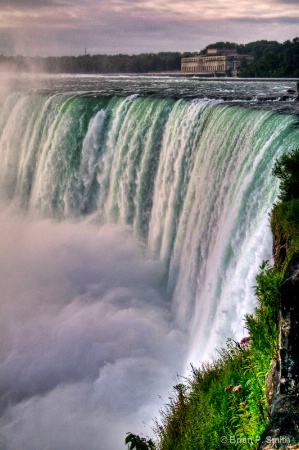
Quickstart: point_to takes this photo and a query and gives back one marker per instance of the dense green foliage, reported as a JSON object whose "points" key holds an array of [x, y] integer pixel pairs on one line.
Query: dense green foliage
{"points": [[285, 213], [287, 170], [271, 59], [284, 224]]}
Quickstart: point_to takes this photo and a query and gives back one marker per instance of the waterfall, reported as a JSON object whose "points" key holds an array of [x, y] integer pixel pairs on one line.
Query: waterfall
{"points": [[190, 180]]}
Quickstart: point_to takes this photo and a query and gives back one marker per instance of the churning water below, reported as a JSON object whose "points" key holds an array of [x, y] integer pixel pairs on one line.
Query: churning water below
{"points": [[132, 229]]}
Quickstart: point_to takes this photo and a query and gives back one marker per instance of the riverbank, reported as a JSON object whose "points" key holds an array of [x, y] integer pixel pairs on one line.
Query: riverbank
{"points": [[202, 77]]}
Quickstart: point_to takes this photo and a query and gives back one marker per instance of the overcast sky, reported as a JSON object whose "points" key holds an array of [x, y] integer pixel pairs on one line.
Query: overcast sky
{"points": [[60, 27]]}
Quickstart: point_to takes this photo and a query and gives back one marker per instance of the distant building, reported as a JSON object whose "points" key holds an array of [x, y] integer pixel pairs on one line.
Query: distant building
{"points": [[216, 61]]}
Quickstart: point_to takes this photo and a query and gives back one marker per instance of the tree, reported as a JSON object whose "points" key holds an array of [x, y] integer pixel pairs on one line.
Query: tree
{"points": [[138, 443]]}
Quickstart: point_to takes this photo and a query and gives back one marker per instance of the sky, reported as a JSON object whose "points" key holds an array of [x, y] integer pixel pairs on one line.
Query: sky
{"points": [[68, 27]]}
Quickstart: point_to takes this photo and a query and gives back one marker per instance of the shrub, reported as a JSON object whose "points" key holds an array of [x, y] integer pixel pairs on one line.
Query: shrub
{"points": [[287, 170]]}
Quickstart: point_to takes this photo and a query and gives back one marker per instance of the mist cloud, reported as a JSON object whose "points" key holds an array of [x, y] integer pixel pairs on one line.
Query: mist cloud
{"points": [[87, 340]]}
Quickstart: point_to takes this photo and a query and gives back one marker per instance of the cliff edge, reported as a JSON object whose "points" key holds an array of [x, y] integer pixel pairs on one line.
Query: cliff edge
{"points": [[282, 383]]}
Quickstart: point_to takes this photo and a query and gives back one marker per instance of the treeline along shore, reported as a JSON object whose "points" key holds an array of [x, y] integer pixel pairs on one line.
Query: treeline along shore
{"points": [[270, 59]]}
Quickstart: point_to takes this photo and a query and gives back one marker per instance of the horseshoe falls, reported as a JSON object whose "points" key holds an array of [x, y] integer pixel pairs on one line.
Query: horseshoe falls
{"points": [[132, 229]]}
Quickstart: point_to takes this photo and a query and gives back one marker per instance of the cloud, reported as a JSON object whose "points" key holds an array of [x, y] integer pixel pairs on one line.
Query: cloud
{"points": [[87, 339], [135, 26], [288, 2], [32, 3]]}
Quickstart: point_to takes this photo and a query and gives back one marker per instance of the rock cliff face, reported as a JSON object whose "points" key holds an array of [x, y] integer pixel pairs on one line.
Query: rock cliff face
{"points": [[282, 381]]}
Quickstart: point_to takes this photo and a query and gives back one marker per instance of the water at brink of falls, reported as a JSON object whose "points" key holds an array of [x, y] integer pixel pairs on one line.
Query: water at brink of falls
{"points": [[134, 219]]}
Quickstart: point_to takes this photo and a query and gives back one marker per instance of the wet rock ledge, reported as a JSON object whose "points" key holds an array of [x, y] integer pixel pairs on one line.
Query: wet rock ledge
{"points": [[282, 382]]}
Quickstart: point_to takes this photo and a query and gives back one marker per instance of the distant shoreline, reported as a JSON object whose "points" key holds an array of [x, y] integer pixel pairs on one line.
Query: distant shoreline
{"points": [[198, 76]]}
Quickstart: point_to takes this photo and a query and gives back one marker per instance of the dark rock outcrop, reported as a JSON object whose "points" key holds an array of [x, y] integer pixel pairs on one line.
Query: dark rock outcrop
{"points": [[289, 329], [282, 383]]}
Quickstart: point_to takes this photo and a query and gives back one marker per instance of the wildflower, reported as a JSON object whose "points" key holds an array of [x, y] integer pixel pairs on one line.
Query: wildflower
{"points": [[228, 388], [237, 388], [245, 340]]}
